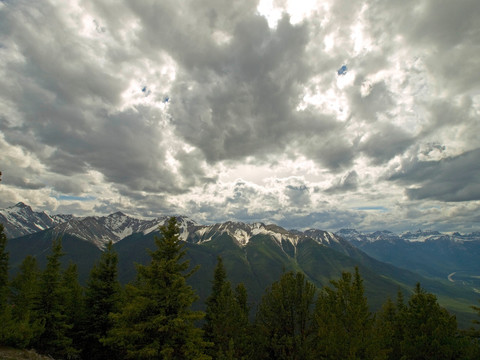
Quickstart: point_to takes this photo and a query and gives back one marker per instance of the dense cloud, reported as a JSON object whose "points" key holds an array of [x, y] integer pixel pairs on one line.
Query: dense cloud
{"points": [[449, 179], [224, 110], [349, 182]]}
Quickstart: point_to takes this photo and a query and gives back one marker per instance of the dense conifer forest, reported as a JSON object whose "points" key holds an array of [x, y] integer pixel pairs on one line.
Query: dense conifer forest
{"points": [[152, 317]]}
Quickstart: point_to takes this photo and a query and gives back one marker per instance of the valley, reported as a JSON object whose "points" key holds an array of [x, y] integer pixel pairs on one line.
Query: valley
{"points": [[257, 255]]}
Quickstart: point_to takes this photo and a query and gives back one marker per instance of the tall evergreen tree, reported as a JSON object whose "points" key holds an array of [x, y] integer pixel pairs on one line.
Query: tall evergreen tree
{"points": [[24, 289], [226, 319], [343, 322], [388, 330], [50, 308], [4, 258], [283, 321], [102, 297], [73, 306], [476, 321], [243, 336], [430, 331], [157, 321], [5, 309]]}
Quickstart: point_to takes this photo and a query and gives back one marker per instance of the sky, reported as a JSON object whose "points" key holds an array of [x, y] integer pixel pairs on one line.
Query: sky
{"points": [[308, 114]]}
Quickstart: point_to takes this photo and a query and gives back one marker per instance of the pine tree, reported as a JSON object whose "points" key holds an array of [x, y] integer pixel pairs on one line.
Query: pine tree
{"points": [[157, 321], [4, 258], [24, 289], [343, 322], [50, 308], [476, 321], [226, 319], [5, 308], [73, 306], [430, 331], [243, 341], [102, 297], [283, 321], [389, 330]]}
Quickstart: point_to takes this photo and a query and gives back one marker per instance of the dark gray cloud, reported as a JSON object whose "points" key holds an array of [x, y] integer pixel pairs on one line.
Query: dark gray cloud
{"points": [[377, 101], [450, 179], [244, 106], [298, 195], [385, 142], [445, 115], [70, 185], [332, 151], [445, 34], [349, 182], [22, 180]]}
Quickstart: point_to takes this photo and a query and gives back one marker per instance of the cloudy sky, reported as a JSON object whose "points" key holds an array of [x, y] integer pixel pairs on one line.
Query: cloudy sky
{"points": [[241, 110]]}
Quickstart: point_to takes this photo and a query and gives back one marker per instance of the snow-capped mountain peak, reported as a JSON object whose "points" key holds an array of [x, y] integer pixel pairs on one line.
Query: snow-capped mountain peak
{"points": [[417, 236], [20, 219], [242, 233]]}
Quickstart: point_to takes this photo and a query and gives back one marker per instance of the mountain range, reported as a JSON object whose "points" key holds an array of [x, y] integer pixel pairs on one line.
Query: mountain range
{"points": [[451, 256], [257, 254]]}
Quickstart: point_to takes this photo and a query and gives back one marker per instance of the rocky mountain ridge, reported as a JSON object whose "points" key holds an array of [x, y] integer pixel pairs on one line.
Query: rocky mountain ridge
{"points": [[21, 220], [355, 236]]}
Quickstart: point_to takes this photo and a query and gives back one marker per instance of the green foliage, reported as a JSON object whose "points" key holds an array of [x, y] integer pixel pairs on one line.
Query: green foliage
{"points": [[283, 322], [4, 257], [429, 330], [343, 323], [73, 306], [5, 311], [477, 321], [16, 328], [102, 297], [226, 320], [24, 289], [156, 320], [50, 308], [421, 329], [385, 330]]}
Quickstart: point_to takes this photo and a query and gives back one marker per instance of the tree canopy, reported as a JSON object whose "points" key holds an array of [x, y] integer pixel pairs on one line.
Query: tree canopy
{"points": [[157, 320]]}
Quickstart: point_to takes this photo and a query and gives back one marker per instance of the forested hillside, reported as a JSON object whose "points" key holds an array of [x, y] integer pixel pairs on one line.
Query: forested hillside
{"points": [[153, 317]]}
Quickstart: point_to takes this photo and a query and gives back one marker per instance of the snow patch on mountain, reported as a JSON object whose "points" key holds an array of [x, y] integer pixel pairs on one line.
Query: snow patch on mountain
{"points": [[418, 236], [20, 219], [243, 233]]}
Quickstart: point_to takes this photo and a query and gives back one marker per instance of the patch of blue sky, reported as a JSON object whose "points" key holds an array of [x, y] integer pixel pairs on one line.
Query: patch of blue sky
{"points": [[372, 208], [77, 198], [342, 70]]}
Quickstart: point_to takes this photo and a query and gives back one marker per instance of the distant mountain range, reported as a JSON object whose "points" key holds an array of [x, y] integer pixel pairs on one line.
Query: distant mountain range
{"points": [[429, 253], [354, 236], [257, 254], [21, 220]]}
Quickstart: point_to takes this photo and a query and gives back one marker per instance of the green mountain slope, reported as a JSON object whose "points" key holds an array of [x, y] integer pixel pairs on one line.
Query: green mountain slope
{"points": [[78, 251], [257, 264]]}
